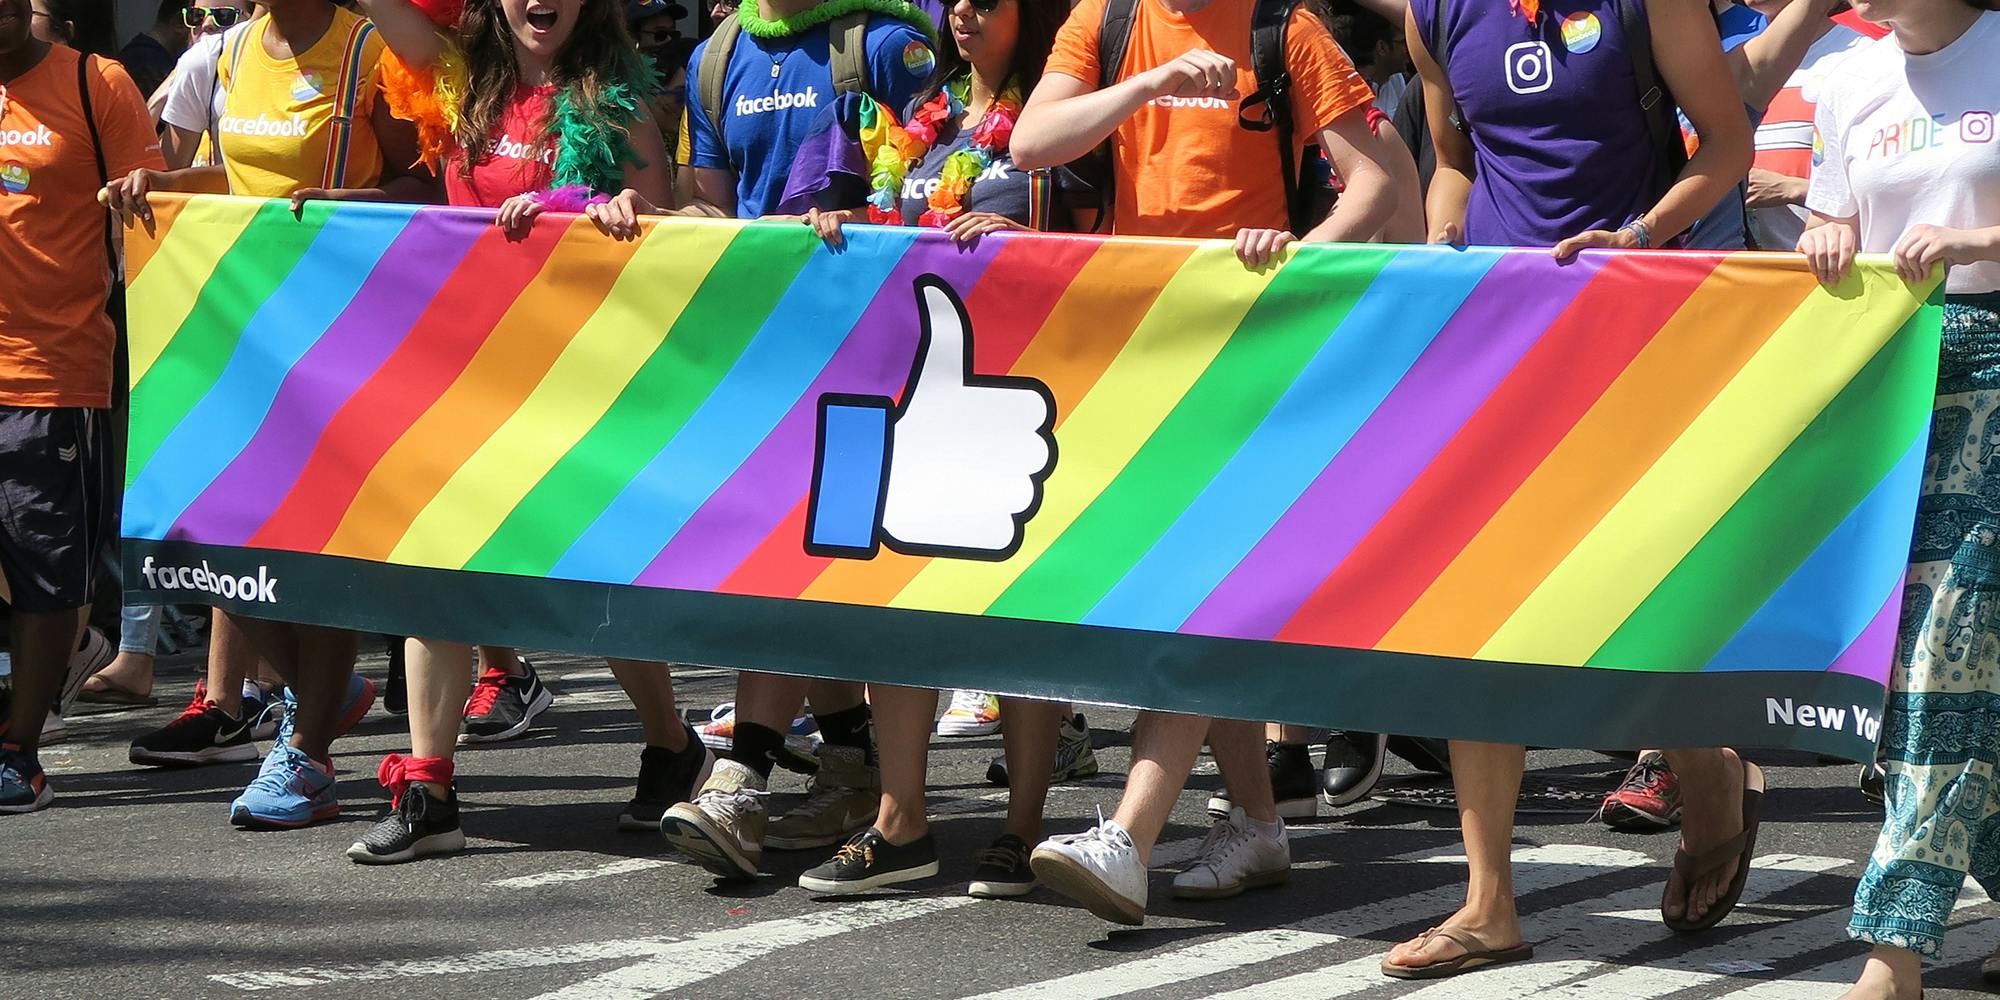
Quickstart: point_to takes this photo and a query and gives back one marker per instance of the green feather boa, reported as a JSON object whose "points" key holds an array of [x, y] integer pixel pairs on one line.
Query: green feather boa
{"points": [[593, 144], [784, 27]]}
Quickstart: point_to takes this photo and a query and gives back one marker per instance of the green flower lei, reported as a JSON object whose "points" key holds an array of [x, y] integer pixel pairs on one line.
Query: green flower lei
{"points": [[782, 27]]}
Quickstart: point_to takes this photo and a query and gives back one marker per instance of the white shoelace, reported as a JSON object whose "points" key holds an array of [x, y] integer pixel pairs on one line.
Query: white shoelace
{"points": [[968, 702], [1224, 841], [1100, 843]]}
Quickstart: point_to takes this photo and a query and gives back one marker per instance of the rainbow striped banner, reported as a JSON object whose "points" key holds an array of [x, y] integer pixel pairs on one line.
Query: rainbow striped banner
{"points": [[1408, 489]]}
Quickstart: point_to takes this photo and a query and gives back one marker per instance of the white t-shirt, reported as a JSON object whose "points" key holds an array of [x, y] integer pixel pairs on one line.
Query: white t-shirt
{"points": [[1897, 159], [194, 94], [1785, 137]]}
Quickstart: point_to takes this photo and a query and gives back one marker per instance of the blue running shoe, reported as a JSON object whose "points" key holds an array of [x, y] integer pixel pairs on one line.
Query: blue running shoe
{"points": [[23, 786], [291, 790]]}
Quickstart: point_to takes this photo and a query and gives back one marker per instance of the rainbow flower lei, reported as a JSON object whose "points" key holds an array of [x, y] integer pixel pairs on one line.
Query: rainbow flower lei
{"points": [[891, 149]]}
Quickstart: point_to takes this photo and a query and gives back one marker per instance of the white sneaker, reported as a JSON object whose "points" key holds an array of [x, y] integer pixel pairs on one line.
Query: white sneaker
{"points": [[54, 729], [972, 713], [1099, 868], [1233, 859]]}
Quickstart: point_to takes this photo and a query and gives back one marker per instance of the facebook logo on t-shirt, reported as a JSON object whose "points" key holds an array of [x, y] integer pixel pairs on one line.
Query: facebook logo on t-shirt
{"points": [[776, 87]]}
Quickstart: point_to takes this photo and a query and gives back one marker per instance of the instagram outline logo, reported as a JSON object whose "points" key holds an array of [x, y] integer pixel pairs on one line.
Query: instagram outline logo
{"points": [[1975, 127], [1531, 67]]}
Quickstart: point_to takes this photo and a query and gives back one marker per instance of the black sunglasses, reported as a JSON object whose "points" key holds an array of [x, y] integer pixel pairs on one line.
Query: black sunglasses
{"points": [[984, 6], [224, 17]]}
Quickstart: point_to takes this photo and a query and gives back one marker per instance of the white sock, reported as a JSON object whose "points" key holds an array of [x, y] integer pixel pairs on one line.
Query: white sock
{"points": [[1265, 829]]}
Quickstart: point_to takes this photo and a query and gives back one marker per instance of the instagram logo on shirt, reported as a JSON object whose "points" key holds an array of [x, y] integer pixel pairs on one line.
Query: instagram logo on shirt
{"points": [[1976, 127], [1530, 67]]}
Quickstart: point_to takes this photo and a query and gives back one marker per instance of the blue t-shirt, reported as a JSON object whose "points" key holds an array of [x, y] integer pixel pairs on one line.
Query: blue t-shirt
{"points": [[775, 87]]}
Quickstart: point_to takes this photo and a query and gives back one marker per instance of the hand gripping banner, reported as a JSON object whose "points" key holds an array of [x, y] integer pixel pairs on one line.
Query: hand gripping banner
{"points": [[1636, 499]]}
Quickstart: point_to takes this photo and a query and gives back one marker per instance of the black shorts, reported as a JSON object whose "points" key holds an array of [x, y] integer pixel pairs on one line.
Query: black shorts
{"points": [[54, 486]]}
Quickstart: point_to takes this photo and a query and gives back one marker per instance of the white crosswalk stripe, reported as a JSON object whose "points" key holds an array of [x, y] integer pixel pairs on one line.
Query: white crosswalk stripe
{"points": [[1571, 923], [1605, 945], [1538, 868]]}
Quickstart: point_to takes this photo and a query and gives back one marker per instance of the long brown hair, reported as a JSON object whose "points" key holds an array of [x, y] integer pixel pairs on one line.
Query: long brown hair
{"points": [[1040, 20], [600, 53]]}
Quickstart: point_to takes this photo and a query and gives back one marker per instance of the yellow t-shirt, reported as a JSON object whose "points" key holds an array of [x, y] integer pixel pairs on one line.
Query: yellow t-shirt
{"points": [[277, 118]]}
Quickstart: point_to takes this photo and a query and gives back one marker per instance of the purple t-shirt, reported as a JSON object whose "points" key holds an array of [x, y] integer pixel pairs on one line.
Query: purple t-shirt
{"points": [[1559, 141]]}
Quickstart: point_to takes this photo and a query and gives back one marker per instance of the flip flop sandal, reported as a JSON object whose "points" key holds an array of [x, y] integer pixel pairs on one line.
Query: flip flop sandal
{"points": [[1740, 848], [1478, 955], [110, 695]]}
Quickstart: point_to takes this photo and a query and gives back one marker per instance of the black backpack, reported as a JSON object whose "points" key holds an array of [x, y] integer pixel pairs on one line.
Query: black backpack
{"points": [[1663, 126], [1269, 109]]}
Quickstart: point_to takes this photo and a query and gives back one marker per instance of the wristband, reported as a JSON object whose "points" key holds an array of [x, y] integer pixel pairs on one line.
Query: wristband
{"points": [[1641, 233]]}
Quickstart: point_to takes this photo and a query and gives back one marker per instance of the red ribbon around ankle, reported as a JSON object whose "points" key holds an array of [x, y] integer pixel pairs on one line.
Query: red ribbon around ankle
{"points": [[398, 771]]}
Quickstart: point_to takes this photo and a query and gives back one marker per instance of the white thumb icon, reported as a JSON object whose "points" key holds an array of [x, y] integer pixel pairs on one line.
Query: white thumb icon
{"points": [[959, 466]]}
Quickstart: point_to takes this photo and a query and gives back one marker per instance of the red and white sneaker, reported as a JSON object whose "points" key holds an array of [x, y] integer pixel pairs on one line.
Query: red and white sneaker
{"points": [[1649, 800]]}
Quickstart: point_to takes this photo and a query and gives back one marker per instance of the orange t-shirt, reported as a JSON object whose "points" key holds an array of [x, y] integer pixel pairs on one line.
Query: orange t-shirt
{"points": [[1186, 167], [55, 340]]}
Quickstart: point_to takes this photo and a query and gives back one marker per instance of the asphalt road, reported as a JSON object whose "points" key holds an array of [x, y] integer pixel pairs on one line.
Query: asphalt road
{"points": [[134, 885]]}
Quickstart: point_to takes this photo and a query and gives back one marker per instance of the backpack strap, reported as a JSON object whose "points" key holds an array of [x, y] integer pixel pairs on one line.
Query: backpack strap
{"points": [[97, 152], [847, 50], [1656, 105], [347, 93], [1114, 35], [1269, 109], [713, 73]]}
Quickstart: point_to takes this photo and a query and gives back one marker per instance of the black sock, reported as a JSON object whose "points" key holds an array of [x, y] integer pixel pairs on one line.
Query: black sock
{"points": [[756, 747], [854, 727]]}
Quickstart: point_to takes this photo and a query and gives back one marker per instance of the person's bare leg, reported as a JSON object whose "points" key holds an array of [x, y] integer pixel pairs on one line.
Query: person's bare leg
{"points": [[1890, 973], [1278, 732], [40, 643], [232, 655], [503, 658], [1487, 779], [1164, 746], [438, 678], [320, 660], [651, 688], [903, 717], [1239, 754], [1029, 739], [769, 700], [1711, 813]]}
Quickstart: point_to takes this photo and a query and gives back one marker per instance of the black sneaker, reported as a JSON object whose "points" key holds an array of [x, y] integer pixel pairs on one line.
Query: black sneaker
{"points": [[1423, 753], [1294, 783], [201, 734], [666, 779], [1353, 764], [503, 706], [870, 862], [417, 826], [1003, 871]]}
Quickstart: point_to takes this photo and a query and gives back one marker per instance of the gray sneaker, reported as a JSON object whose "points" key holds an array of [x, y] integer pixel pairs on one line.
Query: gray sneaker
{"points": [[1075, 757], [722, 830], [841, 801]]}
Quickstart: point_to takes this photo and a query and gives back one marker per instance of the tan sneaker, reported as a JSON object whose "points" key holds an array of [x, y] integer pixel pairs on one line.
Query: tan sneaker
{"points": [[841, 801], [722, 830]]}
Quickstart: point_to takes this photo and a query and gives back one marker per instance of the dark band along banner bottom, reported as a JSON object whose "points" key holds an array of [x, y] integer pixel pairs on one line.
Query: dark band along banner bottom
{"points": [[1629, 500]]}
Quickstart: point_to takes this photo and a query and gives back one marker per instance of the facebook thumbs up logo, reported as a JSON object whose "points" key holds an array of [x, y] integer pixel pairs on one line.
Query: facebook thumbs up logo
{"points": [[954, 470]]}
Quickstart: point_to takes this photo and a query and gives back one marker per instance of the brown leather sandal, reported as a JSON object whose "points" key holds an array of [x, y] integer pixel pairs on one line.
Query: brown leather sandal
{"points": [[1478, 955], [1740, 848]]}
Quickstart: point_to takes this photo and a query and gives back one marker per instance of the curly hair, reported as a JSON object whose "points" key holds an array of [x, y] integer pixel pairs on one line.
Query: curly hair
{"points": [[600, 53]]}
